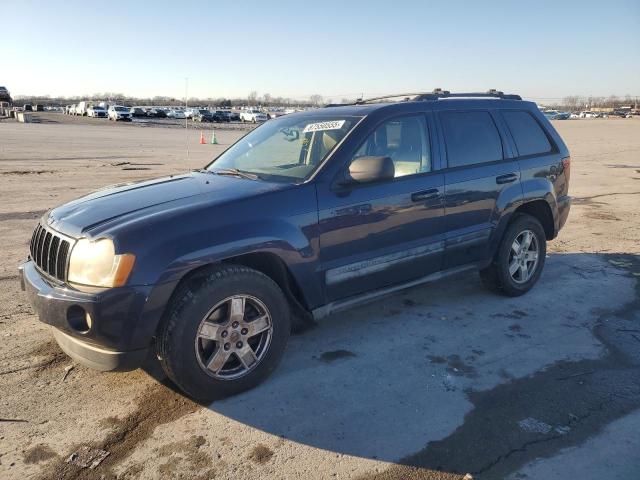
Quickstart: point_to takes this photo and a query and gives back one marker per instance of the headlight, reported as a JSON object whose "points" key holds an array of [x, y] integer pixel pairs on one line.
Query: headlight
{"points": [[94, 263]]}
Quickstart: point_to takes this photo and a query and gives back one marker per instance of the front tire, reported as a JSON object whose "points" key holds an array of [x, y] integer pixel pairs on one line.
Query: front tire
{"points": [[519, 261], [224, 332]]}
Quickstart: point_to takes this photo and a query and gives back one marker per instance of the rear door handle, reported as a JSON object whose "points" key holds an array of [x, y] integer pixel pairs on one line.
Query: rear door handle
{"points": [[425, 195], [506, 178]]}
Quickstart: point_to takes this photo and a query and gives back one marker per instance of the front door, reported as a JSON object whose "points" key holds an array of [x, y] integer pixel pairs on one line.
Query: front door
{"points": [[377, 235]]}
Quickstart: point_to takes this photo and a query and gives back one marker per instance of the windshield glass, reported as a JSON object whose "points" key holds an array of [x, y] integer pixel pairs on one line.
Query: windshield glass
{"points": [[286, 149]]}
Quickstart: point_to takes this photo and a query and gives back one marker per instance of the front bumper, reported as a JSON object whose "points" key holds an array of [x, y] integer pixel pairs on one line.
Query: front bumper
{"points": [[113, 342]]}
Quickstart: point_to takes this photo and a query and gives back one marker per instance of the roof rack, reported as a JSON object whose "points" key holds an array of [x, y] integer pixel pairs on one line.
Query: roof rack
{"points": [[436, 94], [493, 93]]}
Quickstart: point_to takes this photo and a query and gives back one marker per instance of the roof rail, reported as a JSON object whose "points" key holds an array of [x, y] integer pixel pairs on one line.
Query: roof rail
{"points": [[407, 97], [436, 94], [493, 93]]}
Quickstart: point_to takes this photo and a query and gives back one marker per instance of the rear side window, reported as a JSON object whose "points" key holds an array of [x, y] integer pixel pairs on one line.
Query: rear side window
{"points": [[471, 138], [527, 133]]}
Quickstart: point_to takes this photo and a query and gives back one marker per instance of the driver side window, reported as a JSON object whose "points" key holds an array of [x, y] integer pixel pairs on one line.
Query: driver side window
{"points": [[405, 140]]}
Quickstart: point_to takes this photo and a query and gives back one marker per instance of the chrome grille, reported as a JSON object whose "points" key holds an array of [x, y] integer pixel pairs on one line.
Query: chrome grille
{"points": [[50, 252]]}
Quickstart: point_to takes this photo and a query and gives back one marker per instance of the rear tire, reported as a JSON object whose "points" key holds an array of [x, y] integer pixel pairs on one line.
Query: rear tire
{"points": [[519, 261], [200, 325]]}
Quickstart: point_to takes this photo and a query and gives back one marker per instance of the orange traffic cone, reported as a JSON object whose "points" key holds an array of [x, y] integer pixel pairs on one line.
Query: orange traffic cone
{"points": [[202, 142]]}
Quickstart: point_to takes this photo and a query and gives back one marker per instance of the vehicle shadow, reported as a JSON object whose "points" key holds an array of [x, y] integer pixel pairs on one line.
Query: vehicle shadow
{"points": [[384, 380]]}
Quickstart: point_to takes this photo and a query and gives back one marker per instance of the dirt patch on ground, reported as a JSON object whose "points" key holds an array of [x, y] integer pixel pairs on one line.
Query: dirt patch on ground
{"points": [[21, 215], [48, 356], [26, 172], [185, 457], [260, 454], [456, 366], [328, 357], [158, 406], [109, 422], [38, 454]]}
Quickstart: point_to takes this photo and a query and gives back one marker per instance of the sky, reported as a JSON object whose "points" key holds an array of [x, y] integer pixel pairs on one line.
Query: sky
{"points": [[339, 49]]}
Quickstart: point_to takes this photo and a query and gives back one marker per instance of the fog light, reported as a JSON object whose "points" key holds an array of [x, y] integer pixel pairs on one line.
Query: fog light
{"points": [[79, 319]]}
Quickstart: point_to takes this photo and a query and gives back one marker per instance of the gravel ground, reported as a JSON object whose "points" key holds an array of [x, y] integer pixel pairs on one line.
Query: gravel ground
{"points": [[542, 386]]}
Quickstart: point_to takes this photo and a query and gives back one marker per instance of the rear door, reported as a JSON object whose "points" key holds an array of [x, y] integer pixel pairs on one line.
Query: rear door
{"points": [[377, 235], [481, 181]]}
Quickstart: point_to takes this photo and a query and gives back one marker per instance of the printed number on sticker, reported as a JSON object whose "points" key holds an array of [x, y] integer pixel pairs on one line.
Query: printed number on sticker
{"points": [[321, 126]]}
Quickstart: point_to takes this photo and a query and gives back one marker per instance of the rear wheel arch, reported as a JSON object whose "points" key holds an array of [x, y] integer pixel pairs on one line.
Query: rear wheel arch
{"points": [[540, 210]]}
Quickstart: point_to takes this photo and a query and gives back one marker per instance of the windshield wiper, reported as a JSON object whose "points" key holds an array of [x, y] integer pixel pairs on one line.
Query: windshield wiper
{"points": [[235, 172]]}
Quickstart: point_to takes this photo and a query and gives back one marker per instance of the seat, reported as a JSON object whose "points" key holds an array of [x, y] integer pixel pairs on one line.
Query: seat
{"points": [[407, 157]]}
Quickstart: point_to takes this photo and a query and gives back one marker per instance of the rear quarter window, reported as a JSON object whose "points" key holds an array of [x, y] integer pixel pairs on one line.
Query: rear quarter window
{"points": [[527, 133], [471, 138]]}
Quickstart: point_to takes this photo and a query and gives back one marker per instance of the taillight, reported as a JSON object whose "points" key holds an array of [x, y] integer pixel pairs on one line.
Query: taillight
{"points": [[566, 166]]}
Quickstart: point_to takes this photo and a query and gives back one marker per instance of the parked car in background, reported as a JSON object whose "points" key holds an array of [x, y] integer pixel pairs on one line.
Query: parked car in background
{"points": [[223, 115], [556, 115], [275, 113], [137, 112], [234, 116], [176, 114], [82, 108], [622, 113], [119, 112], [253, 116], [202, 115], [96, 112], [306, 215], [156, 113], [588, 114], [27, 107], [38, 108], [190, 112]]}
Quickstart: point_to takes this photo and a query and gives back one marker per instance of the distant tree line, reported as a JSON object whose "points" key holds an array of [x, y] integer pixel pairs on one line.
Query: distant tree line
{"points": [[575, 103]]}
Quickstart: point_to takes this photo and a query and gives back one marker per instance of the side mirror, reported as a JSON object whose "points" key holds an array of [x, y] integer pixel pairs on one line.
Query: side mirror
{"points": [[370, 169]]}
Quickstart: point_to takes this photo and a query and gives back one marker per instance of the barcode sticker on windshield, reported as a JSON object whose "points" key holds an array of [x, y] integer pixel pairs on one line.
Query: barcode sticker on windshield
{"points": [[319, 127]]}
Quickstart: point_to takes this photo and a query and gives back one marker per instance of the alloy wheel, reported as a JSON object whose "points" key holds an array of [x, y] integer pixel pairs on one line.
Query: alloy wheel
{"points": [[523, 257], [233, 337]]}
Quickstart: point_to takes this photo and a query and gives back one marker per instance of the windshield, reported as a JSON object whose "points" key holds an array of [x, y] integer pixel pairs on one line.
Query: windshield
{"points": [[286, 149]]}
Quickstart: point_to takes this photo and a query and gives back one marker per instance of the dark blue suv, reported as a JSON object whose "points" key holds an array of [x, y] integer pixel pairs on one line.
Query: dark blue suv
{"points": [[306, 215]]}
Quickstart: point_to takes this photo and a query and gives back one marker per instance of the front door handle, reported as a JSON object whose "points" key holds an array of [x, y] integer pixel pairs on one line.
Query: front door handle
{"points": [[506, 178], [425, 195]]}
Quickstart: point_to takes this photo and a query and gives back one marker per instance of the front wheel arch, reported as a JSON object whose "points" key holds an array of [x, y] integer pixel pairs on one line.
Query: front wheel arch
{"points": [[270, 265]]}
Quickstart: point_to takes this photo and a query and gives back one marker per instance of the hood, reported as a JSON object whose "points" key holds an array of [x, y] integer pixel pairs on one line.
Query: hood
{"points": [[138, 198]]}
